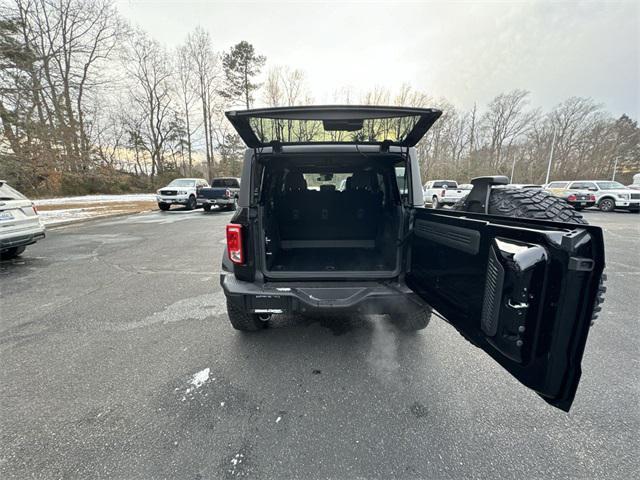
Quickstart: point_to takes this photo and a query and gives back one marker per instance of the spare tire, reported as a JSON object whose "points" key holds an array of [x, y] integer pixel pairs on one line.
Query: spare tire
{"points": [[532, 203]]}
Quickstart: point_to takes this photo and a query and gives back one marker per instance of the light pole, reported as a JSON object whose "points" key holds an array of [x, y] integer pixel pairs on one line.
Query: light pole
{"points": [[615, 167], [553, 142], [513, 168]]}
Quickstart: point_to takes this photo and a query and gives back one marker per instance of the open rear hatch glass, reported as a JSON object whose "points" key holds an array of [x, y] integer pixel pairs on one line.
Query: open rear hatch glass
{"points": [[350, 124]]}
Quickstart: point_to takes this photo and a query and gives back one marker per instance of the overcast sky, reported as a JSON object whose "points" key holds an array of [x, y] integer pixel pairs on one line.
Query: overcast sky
{"points": [[464, 51]]}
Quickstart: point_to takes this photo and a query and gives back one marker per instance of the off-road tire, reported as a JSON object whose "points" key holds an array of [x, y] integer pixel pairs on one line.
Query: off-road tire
{"points": [[435, 204], [192, 203], [12, 253], [164, 206], [207, 207], [412, 320], [524, 203], [607, 205], [243, 321]]}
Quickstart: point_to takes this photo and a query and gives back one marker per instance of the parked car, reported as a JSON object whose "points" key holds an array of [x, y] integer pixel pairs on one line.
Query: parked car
{"points": [[20, 224], [223, 192], [521, 289], [181, 191], [608, 195], [442, 192], [578, 199]]}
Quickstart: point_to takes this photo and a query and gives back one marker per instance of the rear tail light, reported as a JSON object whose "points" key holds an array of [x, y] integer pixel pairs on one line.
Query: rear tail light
{"points": [[592, 197], [227, 193], [571, 198], [234, 243], [443, 193], [35, 210]]}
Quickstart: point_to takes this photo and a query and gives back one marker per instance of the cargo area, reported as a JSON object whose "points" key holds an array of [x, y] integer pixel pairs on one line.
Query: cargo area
{"points": [[331, 216]]}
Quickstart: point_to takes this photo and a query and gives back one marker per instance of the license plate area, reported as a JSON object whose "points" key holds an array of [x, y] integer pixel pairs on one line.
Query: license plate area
{"points": [[5, 216], [268, 304]]}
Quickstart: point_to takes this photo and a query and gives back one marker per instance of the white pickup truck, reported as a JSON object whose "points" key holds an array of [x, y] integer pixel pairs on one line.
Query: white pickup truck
{"points": [[443, 192]]}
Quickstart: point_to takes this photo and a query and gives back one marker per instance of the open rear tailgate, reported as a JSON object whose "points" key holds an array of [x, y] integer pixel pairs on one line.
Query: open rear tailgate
{"points": [[331, 124]]}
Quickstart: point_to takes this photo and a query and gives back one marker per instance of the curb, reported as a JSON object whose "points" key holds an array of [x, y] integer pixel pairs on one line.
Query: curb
{"points": [[77, 221]]}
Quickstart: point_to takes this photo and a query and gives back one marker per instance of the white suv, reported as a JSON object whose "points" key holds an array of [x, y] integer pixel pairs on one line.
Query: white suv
{"points": [[609, 195], [181, 191], [20, 224]]}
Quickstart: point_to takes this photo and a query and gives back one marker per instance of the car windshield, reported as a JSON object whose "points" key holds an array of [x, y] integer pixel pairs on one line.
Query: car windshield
{"points": [[182, 182], [8, 193], [610, 185], [326, 181]]}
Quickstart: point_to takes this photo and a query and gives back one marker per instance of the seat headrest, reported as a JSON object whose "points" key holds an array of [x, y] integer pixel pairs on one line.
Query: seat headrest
{"points": [[362, 181], [295, 181]]}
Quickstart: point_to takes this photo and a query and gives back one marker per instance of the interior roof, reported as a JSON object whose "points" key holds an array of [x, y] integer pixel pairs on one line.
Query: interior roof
{"points": [[328, 161]]}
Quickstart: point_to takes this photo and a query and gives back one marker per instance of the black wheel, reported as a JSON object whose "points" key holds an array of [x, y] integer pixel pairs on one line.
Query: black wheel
{"points": [[607, 205], [577, 208], [634, 211], [435, 203], [524, 203], [412, 320], [164, 206], [207, 207], [192, 203], [12, 253], [241, 320]]}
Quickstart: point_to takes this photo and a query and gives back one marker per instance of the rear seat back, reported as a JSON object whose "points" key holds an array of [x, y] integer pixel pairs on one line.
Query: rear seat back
{"points": [[353, 214]]}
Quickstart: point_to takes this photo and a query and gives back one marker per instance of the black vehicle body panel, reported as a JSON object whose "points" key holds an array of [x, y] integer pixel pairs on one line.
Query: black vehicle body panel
{"points": [[521, 290]]}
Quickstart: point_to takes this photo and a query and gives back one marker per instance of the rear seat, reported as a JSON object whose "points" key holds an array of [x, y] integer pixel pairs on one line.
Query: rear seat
{"points": [[362, 206], [309, 215]]}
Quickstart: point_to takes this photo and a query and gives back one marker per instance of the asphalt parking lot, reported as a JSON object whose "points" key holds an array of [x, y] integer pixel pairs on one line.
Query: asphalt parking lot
{"points": [[118, 362]]}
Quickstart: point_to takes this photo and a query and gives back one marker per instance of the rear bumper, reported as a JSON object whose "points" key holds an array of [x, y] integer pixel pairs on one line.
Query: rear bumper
{"points": [[215, 201], [21, 238], [581, 203], [336, 297]]}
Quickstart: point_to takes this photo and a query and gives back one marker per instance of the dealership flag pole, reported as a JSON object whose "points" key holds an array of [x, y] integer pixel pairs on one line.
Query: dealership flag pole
{"points": [[553, 142]]}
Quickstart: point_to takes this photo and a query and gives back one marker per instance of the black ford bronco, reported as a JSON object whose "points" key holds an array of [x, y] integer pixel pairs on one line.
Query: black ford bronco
{"points": [[330, 219]]}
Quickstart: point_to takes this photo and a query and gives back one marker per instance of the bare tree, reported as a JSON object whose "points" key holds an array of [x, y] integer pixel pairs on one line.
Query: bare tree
{"points": [[505, 121], [207, 73], [151, 69], [187, 91]]}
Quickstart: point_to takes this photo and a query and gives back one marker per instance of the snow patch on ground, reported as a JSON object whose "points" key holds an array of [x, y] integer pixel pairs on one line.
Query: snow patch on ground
{"points": [[198, 380], [194, 308], [132, 197], [53, 217]]}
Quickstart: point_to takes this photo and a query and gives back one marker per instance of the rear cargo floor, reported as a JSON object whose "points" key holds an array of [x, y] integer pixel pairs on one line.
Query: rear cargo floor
{"points": [[331, 260]]}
